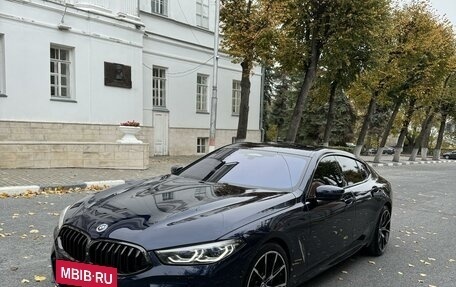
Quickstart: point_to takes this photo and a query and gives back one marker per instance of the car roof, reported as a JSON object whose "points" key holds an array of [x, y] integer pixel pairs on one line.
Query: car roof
{"points": [[290, 148]]}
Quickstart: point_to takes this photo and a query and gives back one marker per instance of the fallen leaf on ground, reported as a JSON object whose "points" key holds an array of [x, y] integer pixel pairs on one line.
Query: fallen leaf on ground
{"points": [[39, 278], [25, 281]]}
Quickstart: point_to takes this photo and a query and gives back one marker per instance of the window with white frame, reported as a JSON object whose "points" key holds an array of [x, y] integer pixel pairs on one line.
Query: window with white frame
{"points": [[159, 87], [160, 7], [2, 66], [201, 93], [202, 13], [60, 72], [201, 145], [236, 101]]}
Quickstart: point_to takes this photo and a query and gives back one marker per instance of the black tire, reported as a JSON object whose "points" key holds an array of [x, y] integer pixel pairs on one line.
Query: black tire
{"points": [[381, 234], [446, 157], [269, 268]]}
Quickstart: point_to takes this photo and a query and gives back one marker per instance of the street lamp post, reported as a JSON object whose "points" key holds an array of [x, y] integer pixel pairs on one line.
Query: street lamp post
{"points": [[213, 123]]}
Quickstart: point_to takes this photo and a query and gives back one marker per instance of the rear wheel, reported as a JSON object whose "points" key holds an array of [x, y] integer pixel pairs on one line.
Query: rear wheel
{"points": [[382, 233], [269, 268], [447, 157]]}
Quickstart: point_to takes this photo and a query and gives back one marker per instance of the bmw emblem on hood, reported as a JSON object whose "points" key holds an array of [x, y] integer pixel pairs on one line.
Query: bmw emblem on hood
{"points": [[102, 227]]}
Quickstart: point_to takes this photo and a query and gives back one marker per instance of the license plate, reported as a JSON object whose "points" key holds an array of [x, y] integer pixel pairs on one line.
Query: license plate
{"points": [[85, 275]]}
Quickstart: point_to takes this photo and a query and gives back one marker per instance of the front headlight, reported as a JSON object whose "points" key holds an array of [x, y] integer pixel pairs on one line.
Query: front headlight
{"points": [[62, 216], [199, 254]]}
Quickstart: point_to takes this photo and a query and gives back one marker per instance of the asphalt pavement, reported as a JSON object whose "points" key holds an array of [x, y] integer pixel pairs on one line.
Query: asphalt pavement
{"points": [[420, 253]]}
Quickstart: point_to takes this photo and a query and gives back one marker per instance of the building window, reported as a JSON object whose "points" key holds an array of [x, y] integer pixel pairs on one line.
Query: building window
{"points": [[159, 87], [2, 66], [236, 102], [202, 13], [60, 72], [167, 196], [201, 145], [201, 93], [160, 7]]}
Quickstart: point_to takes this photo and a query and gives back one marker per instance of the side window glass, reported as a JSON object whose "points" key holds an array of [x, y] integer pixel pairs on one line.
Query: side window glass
{"points": [[328, 172], [350, 170], [363, 169]]}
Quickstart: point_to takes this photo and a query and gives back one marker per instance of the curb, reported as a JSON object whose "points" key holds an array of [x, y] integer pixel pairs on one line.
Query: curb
{"points": [[17, 190], [408, 163]]}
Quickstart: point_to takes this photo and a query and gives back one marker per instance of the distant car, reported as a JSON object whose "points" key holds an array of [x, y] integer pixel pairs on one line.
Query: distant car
{"points": [[388, 150], [449, 155], [371, 151], [245, 215]]}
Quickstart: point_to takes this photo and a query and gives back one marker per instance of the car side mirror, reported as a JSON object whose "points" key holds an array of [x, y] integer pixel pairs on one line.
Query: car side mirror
{"points": [[175, 169], [329, 192]]}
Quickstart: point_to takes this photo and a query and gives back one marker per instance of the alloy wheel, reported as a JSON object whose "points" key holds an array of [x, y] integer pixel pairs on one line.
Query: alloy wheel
{"points": [[384, 229], [270, 270]]}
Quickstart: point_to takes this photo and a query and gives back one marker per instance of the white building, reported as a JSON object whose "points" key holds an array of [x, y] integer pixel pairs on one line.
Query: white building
{"points": [[72, 70]]}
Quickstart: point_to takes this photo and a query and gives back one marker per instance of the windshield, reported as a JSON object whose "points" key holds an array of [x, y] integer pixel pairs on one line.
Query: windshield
{"points": [[249, 168]]}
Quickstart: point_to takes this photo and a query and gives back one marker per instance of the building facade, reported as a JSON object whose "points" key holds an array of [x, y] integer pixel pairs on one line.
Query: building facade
{"points": [[72, 70]]}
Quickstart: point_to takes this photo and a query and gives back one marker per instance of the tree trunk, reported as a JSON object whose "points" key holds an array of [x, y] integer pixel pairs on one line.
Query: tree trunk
{"points": [[365, 127], [330, 117], [425, 143], [387, 131], [307, 84], [404, 130], [244, 105], [438, 145], [419, 140]]}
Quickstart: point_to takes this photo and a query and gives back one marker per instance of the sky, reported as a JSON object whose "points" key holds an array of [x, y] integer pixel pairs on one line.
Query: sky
{"points": [[444, 7]]}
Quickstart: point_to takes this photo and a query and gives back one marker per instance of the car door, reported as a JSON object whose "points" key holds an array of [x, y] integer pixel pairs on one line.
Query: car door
{"points": [[357, 177], [331, 226]]}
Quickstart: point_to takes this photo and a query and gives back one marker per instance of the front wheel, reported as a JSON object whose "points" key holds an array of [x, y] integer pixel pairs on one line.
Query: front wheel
{"points": [[269, 268], [447, 157], [382, 232]]}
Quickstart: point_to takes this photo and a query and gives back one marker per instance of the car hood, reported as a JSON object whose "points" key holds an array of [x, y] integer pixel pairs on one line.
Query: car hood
{"points": [[171, 211]]}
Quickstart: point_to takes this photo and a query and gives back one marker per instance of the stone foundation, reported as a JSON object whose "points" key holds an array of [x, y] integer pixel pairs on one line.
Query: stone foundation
{"points": [[73, 154]]}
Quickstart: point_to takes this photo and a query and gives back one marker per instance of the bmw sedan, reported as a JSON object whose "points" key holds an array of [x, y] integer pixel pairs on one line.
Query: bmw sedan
{"points": [[247, 215]]}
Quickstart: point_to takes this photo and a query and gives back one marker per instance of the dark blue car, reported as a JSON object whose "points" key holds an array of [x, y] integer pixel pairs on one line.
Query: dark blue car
{"points": [[250, 215]]}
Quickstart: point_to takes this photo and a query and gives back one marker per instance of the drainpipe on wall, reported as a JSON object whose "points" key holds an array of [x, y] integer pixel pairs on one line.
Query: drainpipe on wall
{"points": [[262, 102]]}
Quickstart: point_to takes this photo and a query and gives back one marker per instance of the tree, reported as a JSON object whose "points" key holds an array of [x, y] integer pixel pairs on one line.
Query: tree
{"points": [[447, 107], [425, 45], [313, 29], [249, 30]]}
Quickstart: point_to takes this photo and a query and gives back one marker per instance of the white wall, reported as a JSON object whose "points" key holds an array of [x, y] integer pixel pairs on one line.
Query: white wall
{"points": [[93, 40], [183, 11], [29, 28], [187, 54]]}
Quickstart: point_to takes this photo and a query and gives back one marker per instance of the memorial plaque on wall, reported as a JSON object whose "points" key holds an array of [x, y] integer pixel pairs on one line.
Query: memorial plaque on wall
{"points": [[117, 75]]}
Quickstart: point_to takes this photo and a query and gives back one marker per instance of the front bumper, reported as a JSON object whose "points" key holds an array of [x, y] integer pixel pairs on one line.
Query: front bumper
{"points": [[227, 273]]}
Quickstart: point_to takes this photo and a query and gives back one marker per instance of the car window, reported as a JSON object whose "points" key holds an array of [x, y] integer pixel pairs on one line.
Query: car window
{"points": [[328, 172], [248, 167], [363, 169], [351, 171]]}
